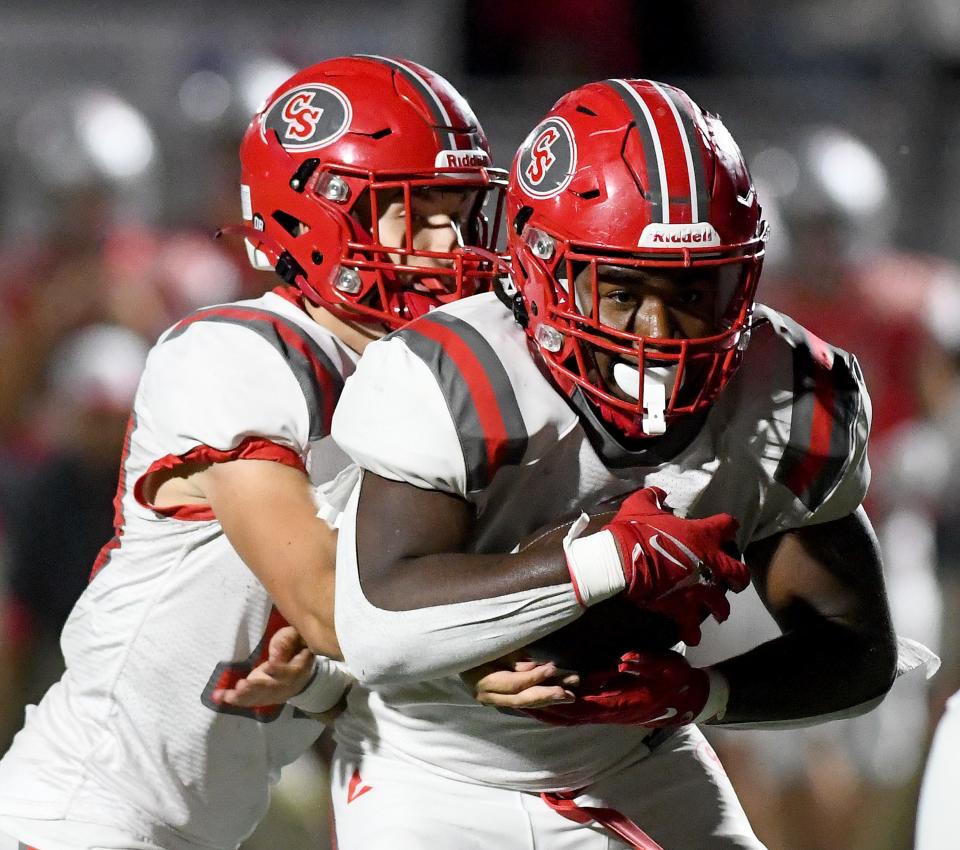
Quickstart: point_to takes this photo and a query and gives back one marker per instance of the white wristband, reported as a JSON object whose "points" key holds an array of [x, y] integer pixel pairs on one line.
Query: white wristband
{"points": [[717, 698], [330, 681], [594, 564]]}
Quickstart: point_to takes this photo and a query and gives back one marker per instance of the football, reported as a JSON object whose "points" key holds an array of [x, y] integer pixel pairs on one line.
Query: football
{"points": [[597, 639]]}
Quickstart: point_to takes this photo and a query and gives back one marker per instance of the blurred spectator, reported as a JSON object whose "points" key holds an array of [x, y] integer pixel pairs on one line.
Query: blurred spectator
{"points": [[831, 266], [62, 513], [154, 278], [920, 469]]}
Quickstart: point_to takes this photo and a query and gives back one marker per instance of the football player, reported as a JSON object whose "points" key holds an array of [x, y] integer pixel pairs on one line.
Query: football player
{"points": [[627, 369], [363, 186]]}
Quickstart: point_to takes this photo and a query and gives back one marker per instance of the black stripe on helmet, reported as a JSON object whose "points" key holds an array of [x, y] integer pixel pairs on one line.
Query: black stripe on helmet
{"points": [[689, 128], [654, 190], [430, 98]]}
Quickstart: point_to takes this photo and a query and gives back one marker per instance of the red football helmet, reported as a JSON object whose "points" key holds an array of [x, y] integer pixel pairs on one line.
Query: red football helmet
{"points": [[330, 138], [632, 173]]}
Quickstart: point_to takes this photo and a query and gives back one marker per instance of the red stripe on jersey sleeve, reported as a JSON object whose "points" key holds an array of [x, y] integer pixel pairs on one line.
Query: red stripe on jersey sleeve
{"points": [[252, 448], [481, 391], [329, 391], [805, 473]]}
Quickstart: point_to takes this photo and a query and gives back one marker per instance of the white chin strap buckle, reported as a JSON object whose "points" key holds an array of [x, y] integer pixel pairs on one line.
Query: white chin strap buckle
{"points": [[259, 260], [658, 384]]}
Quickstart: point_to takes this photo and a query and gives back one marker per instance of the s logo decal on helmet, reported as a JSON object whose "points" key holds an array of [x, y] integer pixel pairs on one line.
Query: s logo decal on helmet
{"points": [[308, 117], [548, 159], [332, 150]]}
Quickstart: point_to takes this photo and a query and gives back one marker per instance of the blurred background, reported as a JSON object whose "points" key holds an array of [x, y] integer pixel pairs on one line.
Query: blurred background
{"points": [[120, 160]]}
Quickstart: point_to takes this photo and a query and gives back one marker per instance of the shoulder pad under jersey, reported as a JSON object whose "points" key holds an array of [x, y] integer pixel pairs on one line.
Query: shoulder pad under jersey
{"points": [[455, 396], [228, 372], [799, 407]]}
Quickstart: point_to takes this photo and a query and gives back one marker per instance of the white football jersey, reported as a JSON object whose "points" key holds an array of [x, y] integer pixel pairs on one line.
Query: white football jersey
{"points": [[130, 738], [937, 820], [462, 407]]}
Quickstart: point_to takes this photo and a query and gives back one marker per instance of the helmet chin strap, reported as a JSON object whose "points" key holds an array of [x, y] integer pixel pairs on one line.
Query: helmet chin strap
{"points": [[658, 382]]}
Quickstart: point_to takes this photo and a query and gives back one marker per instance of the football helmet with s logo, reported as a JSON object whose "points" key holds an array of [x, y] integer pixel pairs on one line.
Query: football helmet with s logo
{"points": [[329, 149], [631, 175]]}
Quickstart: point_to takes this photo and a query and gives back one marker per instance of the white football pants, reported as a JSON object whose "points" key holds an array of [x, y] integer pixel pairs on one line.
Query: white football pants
{"points": [[679, 796]]}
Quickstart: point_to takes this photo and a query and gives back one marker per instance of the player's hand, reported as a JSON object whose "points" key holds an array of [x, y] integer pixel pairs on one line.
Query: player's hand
{"points": [[286, 672], [518, 683], [675, 566], [655, 689]]}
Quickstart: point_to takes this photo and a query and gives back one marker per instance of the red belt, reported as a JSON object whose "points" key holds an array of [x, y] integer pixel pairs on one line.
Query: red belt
{"points": [[617, 823]]}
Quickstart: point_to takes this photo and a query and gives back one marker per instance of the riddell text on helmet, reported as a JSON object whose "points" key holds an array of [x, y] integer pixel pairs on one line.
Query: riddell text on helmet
{"points": [[658, 235], [461, 159]]}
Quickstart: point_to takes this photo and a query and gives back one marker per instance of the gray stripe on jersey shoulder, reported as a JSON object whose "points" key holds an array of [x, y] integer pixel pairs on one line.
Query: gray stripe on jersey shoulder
{"points": [[320, 403], [455, 387]]}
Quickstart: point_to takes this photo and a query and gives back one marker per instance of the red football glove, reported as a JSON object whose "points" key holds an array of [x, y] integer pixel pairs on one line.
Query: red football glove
{"points": [[655, 689], [676, 566]]}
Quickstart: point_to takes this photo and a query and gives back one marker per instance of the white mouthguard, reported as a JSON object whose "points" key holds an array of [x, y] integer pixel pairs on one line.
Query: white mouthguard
{"points": [[658, 384]]}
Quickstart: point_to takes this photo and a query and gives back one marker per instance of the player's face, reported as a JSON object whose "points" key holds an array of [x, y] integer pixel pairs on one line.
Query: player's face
{"points": [[652, 303], [436, 220]]}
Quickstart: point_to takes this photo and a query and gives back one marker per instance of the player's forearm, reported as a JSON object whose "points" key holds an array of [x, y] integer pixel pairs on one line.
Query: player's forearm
{"points": [[809, 675], [298, 573], [269, 516], [441, 638], [823, 584], [391, 647], [414, 583], [401, 528]]}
